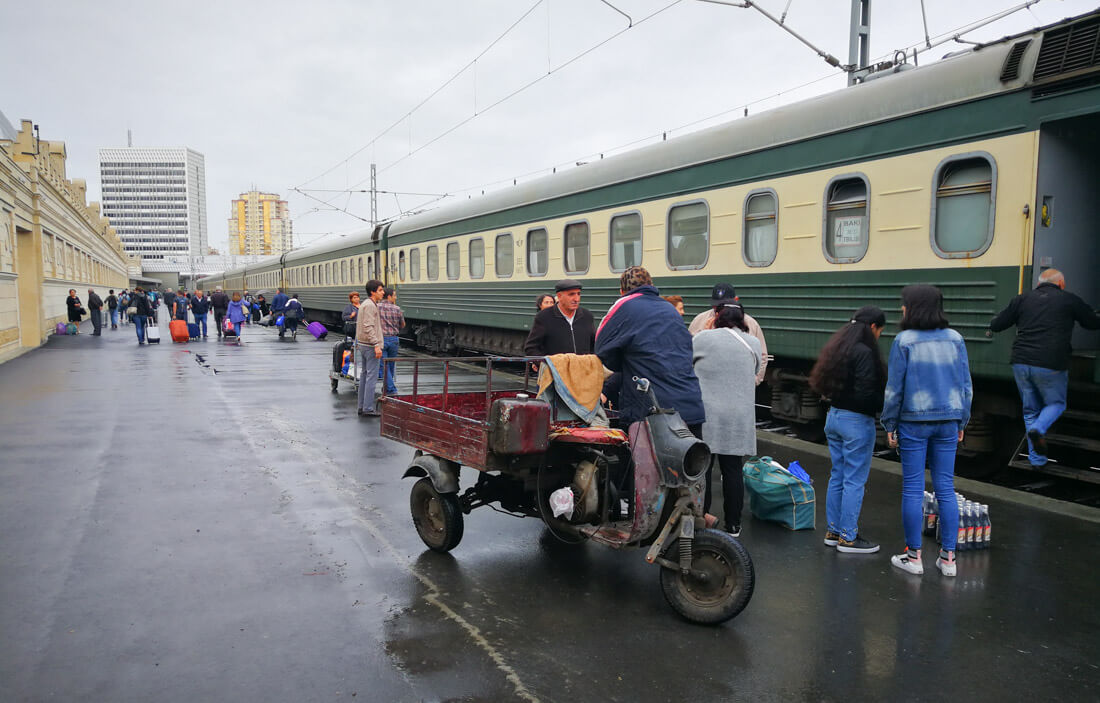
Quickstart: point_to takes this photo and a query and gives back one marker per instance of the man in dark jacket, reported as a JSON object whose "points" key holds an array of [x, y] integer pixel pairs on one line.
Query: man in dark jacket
{"points": [[1044, 319], [200, 306], [95, 305], [642, 335], [112, 308], [278, 303], [220, 303], [565, 328]]}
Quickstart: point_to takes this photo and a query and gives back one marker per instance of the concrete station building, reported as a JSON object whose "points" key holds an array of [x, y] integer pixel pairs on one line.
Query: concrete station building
{"points": [[260, 224], [51, 240]]}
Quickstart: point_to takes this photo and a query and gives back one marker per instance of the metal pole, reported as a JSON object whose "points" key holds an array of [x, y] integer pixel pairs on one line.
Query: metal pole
{"points": [[373, 197], [859, 41]]}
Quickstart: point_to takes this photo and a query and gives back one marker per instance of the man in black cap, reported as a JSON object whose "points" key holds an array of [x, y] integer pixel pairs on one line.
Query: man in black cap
{"points": [[721, 295], [566, 328]]}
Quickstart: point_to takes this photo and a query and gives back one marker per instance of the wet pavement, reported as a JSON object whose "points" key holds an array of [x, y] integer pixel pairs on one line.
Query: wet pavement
{"points": [[210, 522]]}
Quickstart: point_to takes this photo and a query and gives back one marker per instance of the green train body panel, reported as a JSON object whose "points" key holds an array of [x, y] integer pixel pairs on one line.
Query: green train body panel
{"points": [[798, 311]]}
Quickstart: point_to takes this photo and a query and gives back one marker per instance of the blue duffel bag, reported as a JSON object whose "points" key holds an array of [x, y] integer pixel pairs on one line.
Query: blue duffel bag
{"points": [[777, 495]]}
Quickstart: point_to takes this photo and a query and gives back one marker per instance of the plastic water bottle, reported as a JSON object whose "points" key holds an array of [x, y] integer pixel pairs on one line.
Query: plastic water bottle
{"points": [[931, 514], [987, 527]]}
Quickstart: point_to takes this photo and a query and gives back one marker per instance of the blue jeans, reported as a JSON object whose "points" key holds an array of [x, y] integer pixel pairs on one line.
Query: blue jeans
{"points": [[851, 438], [200, 320], [1043, 392], [114, 318], [139, 325], [390, 348], [933, 443], [368, 365]]}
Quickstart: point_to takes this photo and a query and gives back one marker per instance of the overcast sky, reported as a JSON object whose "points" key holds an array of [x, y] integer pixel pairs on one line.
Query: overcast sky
{"points": [[275, 93]]}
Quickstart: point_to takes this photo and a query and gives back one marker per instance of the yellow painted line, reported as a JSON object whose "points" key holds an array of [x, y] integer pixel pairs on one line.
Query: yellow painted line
{"points": [[722, 244], [906, 228], [794, 205], [724, 214], [800, 236]]}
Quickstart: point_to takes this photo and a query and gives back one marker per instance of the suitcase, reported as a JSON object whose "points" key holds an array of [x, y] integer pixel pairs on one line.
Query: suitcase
{"points": [[152, 334], [61, 328], [317, 330], [71, 328], [193, 330], [178, 330], [228, 330]]}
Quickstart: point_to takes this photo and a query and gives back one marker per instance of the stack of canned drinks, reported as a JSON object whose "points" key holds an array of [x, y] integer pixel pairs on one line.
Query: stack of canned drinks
{"points": [[975, 527]]}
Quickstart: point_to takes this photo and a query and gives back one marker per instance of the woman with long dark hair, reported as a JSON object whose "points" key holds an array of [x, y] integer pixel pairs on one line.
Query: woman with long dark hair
{"points": [[927, 406], [725, 360], [850, 374]]}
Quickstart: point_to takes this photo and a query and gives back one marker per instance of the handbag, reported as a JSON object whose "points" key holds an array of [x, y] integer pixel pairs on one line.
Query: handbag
{"points": [[131, 311]]}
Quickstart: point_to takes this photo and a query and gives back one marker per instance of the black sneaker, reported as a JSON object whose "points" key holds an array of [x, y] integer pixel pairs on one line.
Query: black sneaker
{"points": [[831, 538], [1038, 441], [856, 546]]}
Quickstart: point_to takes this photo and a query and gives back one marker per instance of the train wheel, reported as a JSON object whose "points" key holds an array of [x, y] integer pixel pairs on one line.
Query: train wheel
{"points": [[721, 581], [437, 517]]}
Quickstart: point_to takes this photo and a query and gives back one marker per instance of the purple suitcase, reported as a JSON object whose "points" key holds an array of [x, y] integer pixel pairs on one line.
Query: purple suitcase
{"points": [[317, 330]]}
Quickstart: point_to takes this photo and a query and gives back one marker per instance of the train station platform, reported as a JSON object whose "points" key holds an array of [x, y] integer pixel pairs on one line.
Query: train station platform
{"points": [[204, 521]]}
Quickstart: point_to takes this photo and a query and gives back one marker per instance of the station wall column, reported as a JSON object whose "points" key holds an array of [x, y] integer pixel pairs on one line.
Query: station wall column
{"points": [[29, 268]]}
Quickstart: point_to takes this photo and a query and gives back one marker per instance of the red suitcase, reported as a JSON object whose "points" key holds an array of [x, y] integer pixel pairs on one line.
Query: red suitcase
{"points": [[178, 330]]}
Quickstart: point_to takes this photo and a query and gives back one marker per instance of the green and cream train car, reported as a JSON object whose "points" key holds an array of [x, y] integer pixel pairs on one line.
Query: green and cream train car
{"points": [[973, 174]]}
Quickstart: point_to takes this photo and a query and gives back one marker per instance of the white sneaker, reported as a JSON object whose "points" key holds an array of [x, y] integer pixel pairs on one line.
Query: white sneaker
{"points": [[946, 564], [909, 561]]}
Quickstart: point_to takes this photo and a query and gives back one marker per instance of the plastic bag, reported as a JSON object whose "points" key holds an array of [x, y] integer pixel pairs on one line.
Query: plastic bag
{"points": [[798, 472], [561, 502]]}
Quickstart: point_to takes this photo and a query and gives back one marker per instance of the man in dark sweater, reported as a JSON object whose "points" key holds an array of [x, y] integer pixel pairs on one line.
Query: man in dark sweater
{"points": [[95, 304], [1044, 319], [219, 302], [566, 328]]}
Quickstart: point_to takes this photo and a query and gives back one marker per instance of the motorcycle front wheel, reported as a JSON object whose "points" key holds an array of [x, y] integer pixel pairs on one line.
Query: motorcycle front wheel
{"points": [[720, 583]]}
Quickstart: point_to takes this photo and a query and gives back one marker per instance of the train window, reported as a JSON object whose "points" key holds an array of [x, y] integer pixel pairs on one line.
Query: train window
{"points": [[847, 221], [577, 249], [962, 211], [328, 274], [414, 264], [359, 271], [625, 241], [433, 262], [761, 238], [477, 258], [688, 235], [370, 266], [401, 266], [344, 272], [452, 260], [538, 251], [504, 252]]}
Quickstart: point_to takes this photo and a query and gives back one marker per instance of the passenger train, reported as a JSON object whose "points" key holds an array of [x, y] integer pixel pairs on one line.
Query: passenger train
{"points": [[973, 173]]}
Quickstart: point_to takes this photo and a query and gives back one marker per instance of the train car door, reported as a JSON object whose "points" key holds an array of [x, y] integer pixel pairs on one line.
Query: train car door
{"points": [[1067, 221]]}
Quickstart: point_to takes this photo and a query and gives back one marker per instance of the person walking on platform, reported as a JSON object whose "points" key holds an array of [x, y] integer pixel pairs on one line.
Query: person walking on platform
{"points": [[154, 300], [95, 304], [368, 334], [112, 308], [725, 359], [200, 306], [74, 308], [725, 294], [237, 313], [179, 306], [392, 322], [124, 304], [143, 310], [926, 408], [851, 376], [292, 315], [1044, 319], [219, 302], [278, 303]]}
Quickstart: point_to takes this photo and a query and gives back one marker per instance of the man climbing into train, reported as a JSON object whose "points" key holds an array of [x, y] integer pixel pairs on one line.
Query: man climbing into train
{"points": [[1044, 319]]}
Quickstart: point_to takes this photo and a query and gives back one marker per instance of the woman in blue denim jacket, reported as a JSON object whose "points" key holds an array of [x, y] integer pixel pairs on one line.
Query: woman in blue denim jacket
{"points": [[927, 405]]}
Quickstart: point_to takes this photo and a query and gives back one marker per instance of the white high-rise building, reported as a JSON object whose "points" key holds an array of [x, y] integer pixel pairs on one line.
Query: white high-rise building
{"points": [[155, 199]]}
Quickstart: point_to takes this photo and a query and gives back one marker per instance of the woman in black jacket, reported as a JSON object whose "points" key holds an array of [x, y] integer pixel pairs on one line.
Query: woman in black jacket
{"points": [[75, 309], [851, 375]]}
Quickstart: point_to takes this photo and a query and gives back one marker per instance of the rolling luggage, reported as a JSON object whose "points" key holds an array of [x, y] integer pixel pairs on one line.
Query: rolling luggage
{"points": [[152, 334], [178, 330], [193, 330], [61, 328], [71, 328], [228, 330], [317, 330]]}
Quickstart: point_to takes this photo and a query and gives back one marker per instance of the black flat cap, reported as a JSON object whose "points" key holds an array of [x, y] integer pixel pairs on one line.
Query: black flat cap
{"points": [[567, 284]]}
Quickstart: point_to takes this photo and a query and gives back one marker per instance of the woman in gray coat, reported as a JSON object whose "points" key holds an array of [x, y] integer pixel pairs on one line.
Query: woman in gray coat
{"points": [[726, 359]]}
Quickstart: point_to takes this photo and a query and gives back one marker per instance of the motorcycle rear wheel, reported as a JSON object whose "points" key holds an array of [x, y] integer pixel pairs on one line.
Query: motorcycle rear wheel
{"points": [[437, 516], [726, 590]]}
